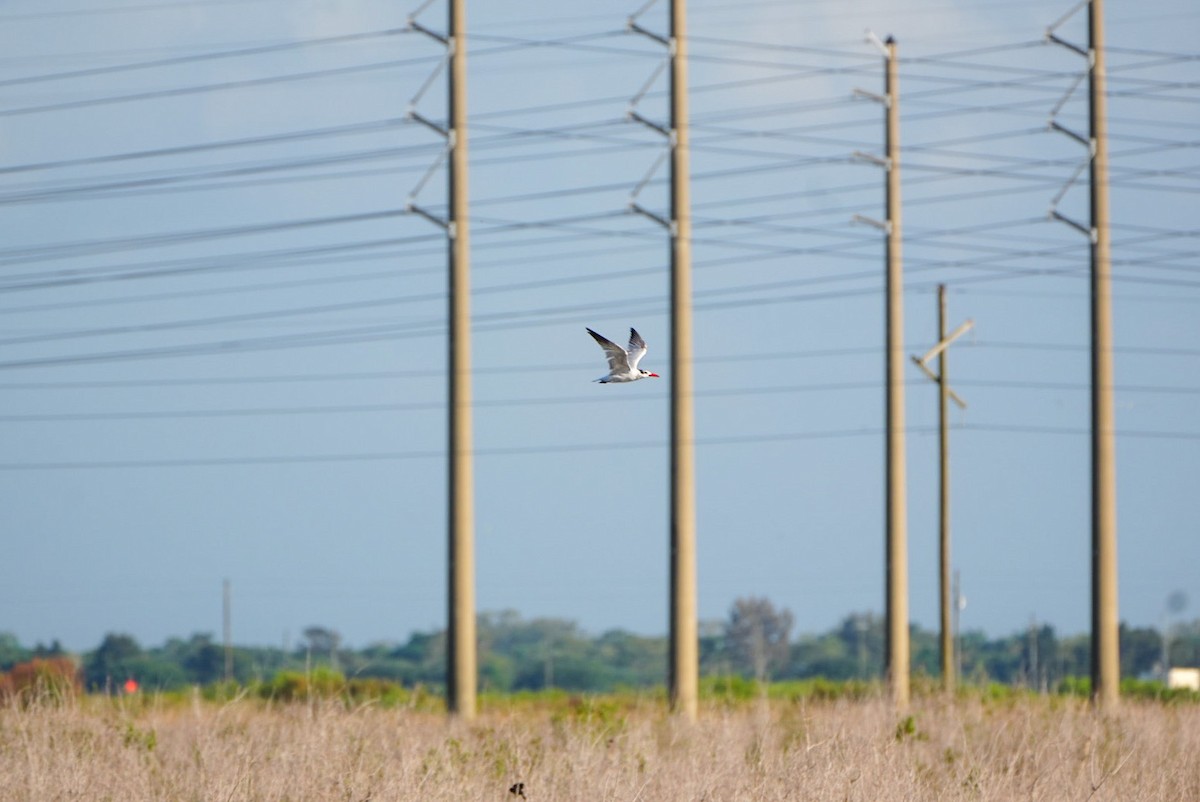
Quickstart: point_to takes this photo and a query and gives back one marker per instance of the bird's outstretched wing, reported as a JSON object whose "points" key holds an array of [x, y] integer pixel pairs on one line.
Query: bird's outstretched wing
{"points": [[637, 349], [618, 360]]}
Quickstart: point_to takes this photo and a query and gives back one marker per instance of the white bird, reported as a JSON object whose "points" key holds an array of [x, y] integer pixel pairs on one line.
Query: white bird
{"points": [[622, 362]]}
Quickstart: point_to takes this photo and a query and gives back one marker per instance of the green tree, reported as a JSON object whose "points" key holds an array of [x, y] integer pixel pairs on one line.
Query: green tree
{"points": [[757, 635], [638, 661], [1140, 649], [112, 662], [154, 673], [55, 649], [1075, 654], [1185, 644], [11, 651], [202, 661], [323, 642], [823, 656]]}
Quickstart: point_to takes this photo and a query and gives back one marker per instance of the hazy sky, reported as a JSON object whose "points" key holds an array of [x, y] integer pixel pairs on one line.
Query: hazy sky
{"points": [[222, 339]]}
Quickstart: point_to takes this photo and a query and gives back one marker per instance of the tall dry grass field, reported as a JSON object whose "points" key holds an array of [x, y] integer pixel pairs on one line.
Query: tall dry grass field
{"points": [[1027, 749]]}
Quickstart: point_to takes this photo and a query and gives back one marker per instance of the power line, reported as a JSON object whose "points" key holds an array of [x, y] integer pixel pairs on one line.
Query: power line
{"points": [[244, 83], [411, 406], [198, 57], [174, 5], [48, 252], [368, 127], [397, 456], [483, 370]]}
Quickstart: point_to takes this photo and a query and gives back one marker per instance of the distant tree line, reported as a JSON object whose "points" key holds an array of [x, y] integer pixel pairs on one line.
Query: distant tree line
{"points": [[516, 654]]}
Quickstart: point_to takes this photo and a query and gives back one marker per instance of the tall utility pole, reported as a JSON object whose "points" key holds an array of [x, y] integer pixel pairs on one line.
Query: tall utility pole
{"points": [[897, 649], [1106, 666], [460, 617], [684, 661], [1106, 669], [460, 644], [945, 395]]}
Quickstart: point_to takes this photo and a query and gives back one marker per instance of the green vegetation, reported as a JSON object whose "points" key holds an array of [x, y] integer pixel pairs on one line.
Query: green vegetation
{"points": [[749, 656]]}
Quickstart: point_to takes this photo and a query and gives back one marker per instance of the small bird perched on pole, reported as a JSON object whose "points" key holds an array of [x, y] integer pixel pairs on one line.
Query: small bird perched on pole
{"points": [[623, 362]]}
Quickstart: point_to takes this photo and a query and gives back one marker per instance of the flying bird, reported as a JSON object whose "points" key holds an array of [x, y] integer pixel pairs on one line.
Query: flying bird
{"points": [[622, 362]]}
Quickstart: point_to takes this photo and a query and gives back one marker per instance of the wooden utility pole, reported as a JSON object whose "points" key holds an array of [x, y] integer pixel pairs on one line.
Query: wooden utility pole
{"points": [[897, 647], [461, 670], [684, 660], [1106, 669], [945, 396], [947, 640]]}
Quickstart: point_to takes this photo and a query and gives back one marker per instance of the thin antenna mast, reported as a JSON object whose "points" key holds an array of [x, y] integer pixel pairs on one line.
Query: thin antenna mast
{"points": [[227, 626]]}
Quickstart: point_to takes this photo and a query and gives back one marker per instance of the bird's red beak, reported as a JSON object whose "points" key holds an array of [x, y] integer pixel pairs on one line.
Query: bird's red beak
{"points": [[655, 376]]}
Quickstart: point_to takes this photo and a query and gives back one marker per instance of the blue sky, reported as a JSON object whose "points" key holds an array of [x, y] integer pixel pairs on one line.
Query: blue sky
{"points": [[222, 343]]}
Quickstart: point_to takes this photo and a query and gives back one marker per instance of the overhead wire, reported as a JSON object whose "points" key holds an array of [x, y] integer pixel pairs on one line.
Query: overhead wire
{"points": [[958, 173], [108, 10], [563, 448], [193, 58], [394, 406]]}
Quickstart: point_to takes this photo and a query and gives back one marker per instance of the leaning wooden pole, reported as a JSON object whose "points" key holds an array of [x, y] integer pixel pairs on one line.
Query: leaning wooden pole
{"points": [[684, 666], [897, 651], [1106, 671], [460, 641]]}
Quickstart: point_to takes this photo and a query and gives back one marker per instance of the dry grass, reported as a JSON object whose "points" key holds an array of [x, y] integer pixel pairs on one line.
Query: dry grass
{"points": [[1029, 749]]}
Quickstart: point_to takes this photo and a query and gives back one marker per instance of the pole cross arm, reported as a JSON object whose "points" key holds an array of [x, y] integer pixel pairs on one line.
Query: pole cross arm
{"points": [[633, 27], [874, 39], [882, 225], [658, 218], [440, 222], [413, 25], [949, 338], [417, 117], [922, 362], [863, 156], [1080, 138], [637, 118], [936, 379], [1051, 37], [1087, 231], [871, 96]]}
